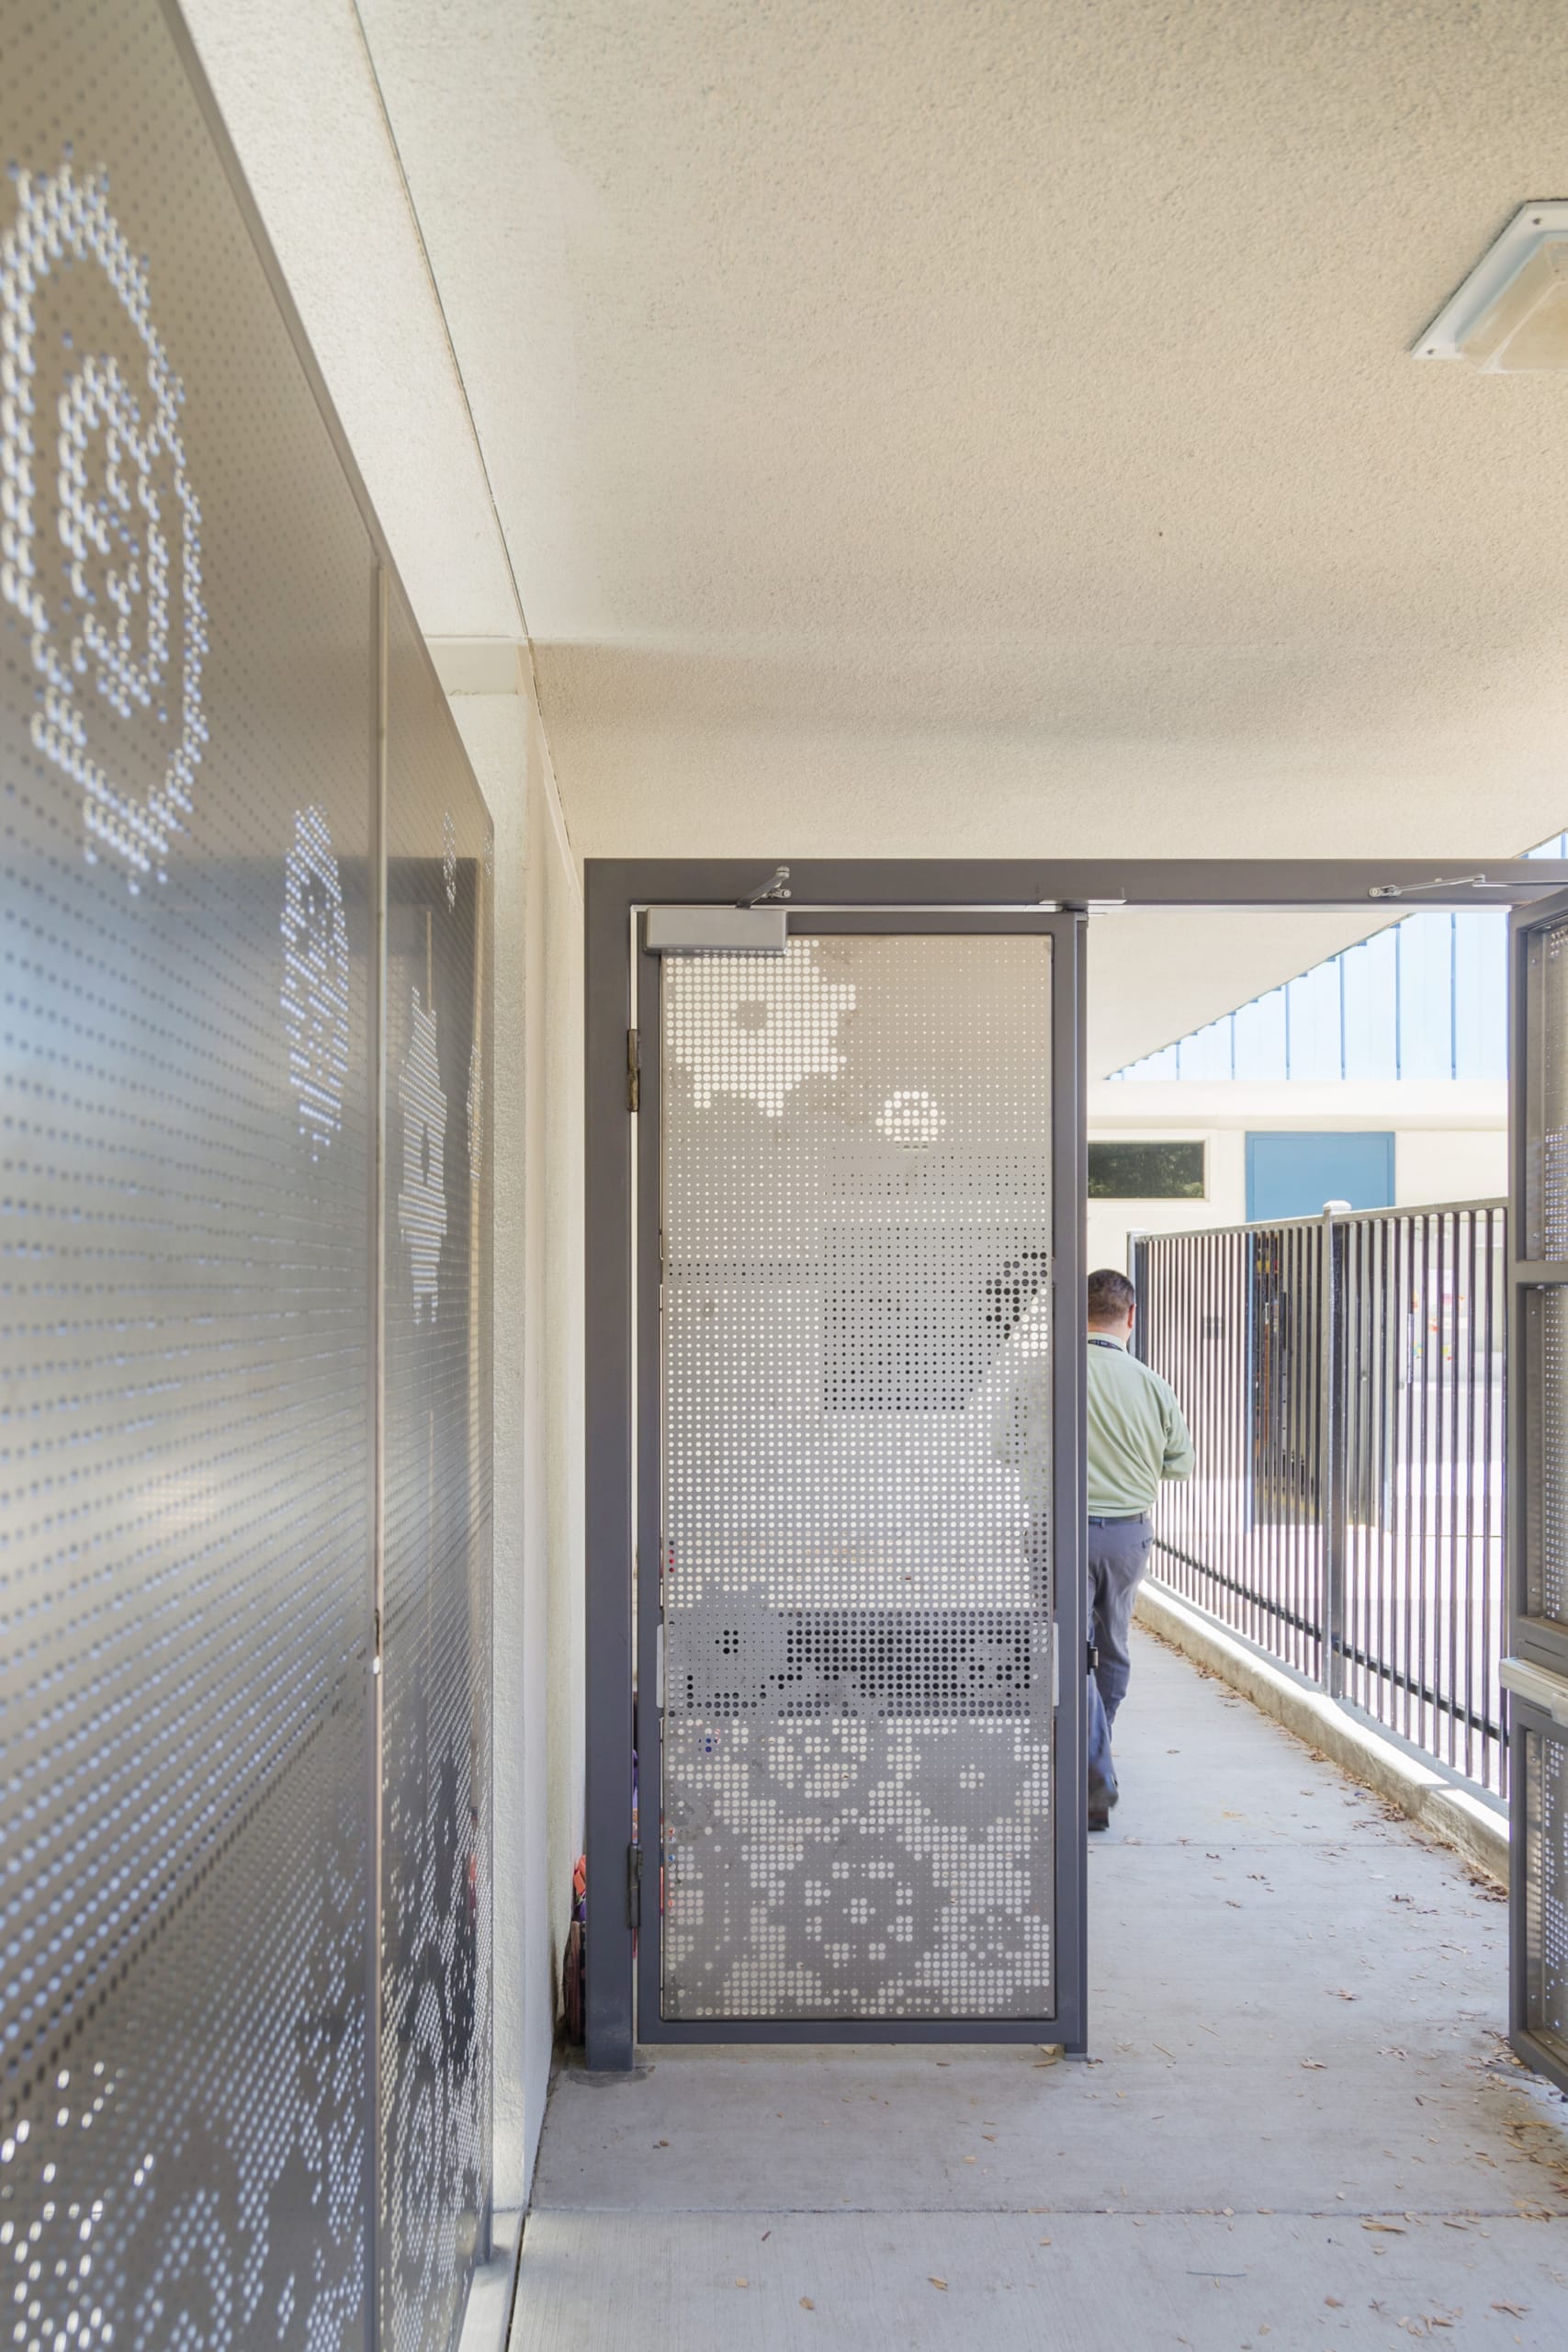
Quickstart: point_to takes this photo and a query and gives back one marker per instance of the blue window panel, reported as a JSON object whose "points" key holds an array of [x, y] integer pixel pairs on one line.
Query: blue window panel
{"points": [[1426, 996], [1370, 1029], [1292, 1175], [1556, 847], [1481, 994], [1261, 1037], [1312, 1003], [1207, 1053]]}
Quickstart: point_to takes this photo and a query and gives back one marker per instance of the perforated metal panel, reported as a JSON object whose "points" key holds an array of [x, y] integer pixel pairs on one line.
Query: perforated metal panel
{"points": [[856, 1589], [1546, 1441], [188, 688], [1537, 1476], [1545, 1768], [1546, 1144], [436, 1877]]}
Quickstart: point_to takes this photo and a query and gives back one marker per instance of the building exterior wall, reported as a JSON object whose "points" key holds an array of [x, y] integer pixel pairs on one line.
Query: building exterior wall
{"points": [[1450, 1143]]}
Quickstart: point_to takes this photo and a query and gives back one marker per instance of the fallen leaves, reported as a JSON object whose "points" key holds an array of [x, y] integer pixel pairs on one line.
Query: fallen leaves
{"points": [[806, 2304], [1514, 2311], [937, 2282], [1315, 2065], [1393, 2229]]}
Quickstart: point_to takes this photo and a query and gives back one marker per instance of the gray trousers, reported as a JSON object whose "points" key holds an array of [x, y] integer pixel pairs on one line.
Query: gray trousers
{"points": [[1118, 1559]]}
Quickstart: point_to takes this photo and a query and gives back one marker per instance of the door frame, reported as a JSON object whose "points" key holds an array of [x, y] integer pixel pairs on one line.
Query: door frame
{"points": [[1068, 1182], [621, 1332]]}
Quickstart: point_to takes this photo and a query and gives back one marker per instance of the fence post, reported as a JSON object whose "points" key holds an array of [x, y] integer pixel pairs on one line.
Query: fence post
{"points": [[1138, 1274], [1332, 1499]]}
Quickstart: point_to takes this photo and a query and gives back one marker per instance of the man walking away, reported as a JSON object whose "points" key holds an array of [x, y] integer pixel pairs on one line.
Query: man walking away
{"points": [[1136, 1437]]}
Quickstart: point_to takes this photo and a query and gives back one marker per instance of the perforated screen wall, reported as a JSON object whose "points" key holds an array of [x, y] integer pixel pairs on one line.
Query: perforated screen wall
{"points": [[189, 682], [1546, 1144], [856, 1586], [1545, 1419], [1545, 1771], [435, 1938]]}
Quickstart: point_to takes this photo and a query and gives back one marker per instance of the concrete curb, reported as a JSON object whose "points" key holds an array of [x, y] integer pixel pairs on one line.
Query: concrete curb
{"points": [[1462, 1821]]}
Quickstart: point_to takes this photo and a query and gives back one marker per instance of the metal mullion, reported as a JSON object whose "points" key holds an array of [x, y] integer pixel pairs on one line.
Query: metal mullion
{"points": [[1069, 1191], [648, 1490]]}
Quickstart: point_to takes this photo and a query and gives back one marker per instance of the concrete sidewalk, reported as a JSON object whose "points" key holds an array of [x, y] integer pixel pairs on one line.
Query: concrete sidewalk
{"points": [[1301, 2131]]}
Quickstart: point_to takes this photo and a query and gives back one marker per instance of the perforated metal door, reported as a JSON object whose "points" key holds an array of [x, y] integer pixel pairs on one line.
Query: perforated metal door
{"points": [[1536, 1666], [857, 1756]]}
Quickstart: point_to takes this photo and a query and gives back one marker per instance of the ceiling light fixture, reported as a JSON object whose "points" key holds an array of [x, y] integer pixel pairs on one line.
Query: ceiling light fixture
{"points": [[1511, 313]]}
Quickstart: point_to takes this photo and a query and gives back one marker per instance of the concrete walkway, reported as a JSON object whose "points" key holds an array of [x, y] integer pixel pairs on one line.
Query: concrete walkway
{"points": [[1301, 2131]]}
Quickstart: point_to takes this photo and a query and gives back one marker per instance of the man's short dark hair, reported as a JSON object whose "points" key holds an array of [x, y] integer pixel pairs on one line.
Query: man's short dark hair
{"points": [[1110, 1295]]}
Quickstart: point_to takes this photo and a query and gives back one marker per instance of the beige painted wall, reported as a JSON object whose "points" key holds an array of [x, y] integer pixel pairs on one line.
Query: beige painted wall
{"points": [[1451, 1144], [537, 1797]]}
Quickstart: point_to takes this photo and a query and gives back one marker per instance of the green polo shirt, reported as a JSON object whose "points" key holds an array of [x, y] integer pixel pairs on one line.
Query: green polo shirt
{"points": [[1136, 1433]]}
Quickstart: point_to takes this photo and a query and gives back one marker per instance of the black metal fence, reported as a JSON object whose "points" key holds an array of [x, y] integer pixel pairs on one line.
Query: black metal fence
{"points": [[1343, 1379]]}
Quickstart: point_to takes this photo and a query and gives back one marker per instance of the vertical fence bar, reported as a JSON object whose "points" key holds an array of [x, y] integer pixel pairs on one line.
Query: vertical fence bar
{"points": [[1332, 1455], [1343, 1379]]}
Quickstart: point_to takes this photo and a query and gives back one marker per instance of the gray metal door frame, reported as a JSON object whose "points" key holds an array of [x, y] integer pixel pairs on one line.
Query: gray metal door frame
{"points": [[1535, 1666], [1068, 1183], [621, 1363]]}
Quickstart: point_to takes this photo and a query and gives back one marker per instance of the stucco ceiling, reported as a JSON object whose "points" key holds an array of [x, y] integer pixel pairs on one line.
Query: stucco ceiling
{"points": [[953, 428], [992, 427]]}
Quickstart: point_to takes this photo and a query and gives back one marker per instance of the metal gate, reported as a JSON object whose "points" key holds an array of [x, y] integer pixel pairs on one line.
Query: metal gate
{"points": [[1536, 1670], [854, 1729], [833, 1239], [858, 1194]]}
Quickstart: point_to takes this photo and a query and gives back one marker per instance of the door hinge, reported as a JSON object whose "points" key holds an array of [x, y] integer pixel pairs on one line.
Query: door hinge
{"points": [[634, 1886], [634, 1069], [1093, 1657], [376, 1652]]}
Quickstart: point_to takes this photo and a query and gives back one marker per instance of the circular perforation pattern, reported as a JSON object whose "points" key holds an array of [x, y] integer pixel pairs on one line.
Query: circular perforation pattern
{"points": [[856, 1762]]}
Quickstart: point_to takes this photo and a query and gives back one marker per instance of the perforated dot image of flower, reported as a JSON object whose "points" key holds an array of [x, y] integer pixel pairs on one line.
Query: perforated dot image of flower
{"points": [[755, 1025], [100, 540], [422, 1201], [315, 980]]}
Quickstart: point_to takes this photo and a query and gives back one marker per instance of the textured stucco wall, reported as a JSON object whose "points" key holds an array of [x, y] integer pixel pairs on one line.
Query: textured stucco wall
{"points": [[538, 1506], [1451, 1144]]}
